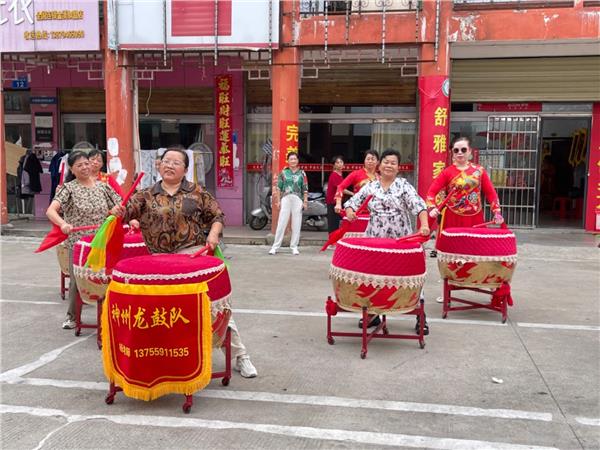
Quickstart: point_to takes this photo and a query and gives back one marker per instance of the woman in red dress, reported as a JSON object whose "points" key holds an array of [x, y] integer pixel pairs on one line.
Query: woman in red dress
{"points": [[464, 182], [96, 163], [358, 178], [335, 178]]}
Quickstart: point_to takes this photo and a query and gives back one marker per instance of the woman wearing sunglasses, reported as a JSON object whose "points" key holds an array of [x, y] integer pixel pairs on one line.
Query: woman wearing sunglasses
{"points": [[464, 182]]}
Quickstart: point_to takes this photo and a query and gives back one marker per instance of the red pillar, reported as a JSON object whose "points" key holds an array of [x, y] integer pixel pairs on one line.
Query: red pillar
{"points": [[4, 197], [434, 96], [285, 85], [119, 114], [592, 207]]}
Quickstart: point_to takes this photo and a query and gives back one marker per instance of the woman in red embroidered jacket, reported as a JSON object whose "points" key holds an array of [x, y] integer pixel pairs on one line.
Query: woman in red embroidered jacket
{"points": [[358, 178], [96, 163], [464, 182]]}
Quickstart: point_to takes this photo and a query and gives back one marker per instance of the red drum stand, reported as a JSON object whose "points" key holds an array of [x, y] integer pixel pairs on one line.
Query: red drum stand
{"points": [[380, 332], [498, 302], [189, 400], [79, 325], [63, 284]]}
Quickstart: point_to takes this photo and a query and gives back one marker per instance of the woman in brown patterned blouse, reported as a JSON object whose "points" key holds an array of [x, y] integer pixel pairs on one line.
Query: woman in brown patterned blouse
{"points": [[173, 215]]}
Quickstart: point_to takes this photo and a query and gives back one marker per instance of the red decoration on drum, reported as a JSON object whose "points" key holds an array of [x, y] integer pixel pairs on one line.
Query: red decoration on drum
{"points": [[477, 257], [92, 284], [383, 275], [156, 319]]}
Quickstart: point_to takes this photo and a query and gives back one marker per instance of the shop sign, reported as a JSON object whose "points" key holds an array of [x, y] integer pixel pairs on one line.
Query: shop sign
{"points": [[43, 135], [193, 24], [20, 83], [223, 117], [49, 25], [433, 130], [509, 107], [43, 100]]}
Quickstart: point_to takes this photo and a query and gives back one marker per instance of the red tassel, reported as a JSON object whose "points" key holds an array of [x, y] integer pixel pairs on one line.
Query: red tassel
{"points": [[331, 307]]}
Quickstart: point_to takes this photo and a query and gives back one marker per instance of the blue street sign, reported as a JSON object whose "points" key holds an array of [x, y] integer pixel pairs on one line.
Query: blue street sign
{"points": [[20, 83]]}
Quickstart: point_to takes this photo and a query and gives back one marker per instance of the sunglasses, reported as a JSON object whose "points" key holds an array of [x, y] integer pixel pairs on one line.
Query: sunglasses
{"points": [[460, 150]]}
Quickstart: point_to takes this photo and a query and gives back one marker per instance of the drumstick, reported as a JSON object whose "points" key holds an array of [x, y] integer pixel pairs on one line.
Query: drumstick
{"points": [[201, 251], [84, 228], [132, 189], [484, 224]]}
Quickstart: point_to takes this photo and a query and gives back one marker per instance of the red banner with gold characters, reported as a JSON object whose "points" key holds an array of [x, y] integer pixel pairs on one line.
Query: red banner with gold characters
{"points": [[288, 140], [592, 208], [157, 339], [434, 127], [223, 121]]}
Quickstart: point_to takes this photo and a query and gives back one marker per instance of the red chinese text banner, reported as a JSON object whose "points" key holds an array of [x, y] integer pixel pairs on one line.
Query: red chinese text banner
{"points": [[434, 127], [223, 120], [288, 140], [592, 214], [156, 339]]}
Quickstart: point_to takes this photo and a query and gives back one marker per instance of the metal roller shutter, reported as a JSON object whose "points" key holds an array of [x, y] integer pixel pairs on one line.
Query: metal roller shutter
{"points": [[526, 79]]}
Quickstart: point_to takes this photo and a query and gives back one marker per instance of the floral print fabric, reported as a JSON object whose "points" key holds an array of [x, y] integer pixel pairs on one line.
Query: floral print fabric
{"points": [[390, 209]]}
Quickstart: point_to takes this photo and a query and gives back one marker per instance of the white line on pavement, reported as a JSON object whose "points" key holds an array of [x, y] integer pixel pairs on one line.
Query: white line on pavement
{"points": [[275, 312], [27, 285], [588, 421], [46, 358], [558, 326], [319, 400], [33, 302], [321, 434]]}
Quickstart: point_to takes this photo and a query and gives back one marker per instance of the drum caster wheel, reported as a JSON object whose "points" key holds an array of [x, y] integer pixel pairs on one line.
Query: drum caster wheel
{"points": [[225, 381], [363, 354], [504, 320], [422, 344], [385, 331], [99, 346], [186, 408], [78, 332], [330, 340], [110, 398], [444, 315]]}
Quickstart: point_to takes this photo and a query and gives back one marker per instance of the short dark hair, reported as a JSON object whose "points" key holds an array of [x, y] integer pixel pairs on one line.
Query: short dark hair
{"points": [[391, 152], [290, 154], [186, 158], [336, 157], [460, 138], [93, 152], [372, 152], [73, 157]]}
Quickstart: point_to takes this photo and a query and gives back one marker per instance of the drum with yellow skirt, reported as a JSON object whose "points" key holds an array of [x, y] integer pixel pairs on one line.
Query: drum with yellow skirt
{"points": [[158, 323]]}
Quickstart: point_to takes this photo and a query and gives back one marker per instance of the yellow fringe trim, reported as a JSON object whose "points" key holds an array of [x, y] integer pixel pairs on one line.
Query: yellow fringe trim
{"points": [[170, 387]]}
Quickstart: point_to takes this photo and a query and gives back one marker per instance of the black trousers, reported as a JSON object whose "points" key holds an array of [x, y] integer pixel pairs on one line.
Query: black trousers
{"points": [[333, 219]]}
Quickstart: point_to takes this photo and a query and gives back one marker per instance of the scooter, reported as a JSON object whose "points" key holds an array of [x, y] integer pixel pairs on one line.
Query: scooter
{"points": [[315, 214]]}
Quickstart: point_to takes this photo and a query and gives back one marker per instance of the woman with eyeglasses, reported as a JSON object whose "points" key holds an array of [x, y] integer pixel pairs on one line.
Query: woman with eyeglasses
{"points": [[465, 182], [172, 216], [81, 200]]}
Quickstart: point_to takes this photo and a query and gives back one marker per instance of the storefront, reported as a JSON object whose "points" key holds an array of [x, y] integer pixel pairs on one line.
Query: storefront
{"points": [[531, 122]]}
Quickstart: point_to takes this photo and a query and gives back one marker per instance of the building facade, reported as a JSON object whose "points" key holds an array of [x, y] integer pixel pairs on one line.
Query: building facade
{"points": [[520, 77]]}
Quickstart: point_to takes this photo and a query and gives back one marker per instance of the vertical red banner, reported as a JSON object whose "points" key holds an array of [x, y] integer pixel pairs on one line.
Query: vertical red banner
{"points": [[434, 128], [288, 139], [592, 207], [223, 128]]}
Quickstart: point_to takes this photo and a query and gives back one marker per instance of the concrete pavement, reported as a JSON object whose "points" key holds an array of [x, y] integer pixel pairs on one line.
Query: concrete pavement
{"points": [[313, 395]]}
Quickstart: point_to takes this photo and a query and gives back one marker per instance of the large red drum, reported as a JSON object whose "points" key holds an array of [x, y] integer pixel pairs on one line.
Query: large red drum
{"points": [[477, 257], [91, 284], [181, 269], [383, 275], [357, 227]]}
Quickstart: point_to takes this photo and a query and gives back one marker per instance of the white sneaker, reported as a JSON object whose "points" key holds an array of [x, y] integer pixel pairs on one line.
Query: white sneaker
{"points": [[440, 299], [272, 251], [295, 251], [244, 366], [69, 324]]}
